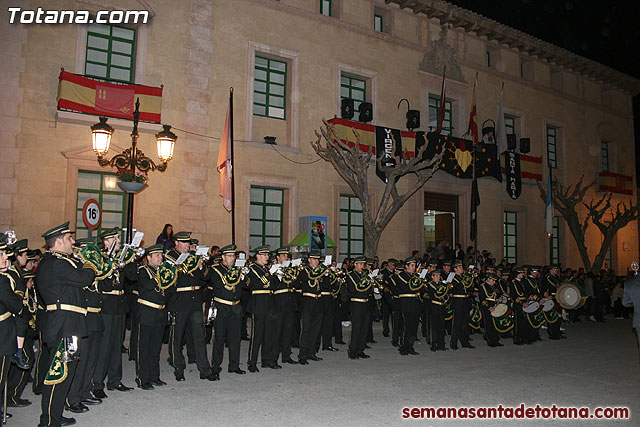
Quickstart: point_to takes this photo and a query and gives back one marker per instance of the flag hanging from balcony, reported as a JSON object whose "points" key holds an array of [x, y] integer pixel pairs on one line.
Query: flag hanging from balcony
{"points": [[225, 159], [549, 209], [86, 95]]}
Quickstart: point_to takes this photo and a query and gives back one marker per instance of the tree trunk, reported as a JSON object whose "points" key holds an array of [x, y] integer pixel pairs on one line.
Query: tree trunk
{"points": [[371, 240]]}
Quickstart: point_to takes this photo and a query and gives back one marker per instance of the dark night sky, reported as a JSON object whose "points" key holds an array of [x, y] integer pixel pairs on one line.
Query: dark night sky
{"points": [[605, 31]]}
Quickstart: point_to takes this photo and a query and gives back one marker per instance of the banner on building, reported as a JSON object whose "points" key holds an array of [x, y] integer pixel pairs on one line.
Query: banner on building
{"points": [[456, 160], [86, 95], [530, 166], [513, 174]]}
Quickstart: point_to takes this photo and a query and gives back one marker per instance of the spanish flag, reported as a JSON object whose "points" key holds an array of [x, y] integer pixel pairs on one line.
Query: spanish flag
{"points": [[616, 183], [85, 95]]}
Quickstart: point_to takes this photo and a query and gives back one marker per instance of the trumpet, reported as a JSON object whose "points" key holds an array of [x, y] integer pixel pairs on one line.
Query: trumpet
{"points": [[212, 312], [122, 259], [70, 348]]}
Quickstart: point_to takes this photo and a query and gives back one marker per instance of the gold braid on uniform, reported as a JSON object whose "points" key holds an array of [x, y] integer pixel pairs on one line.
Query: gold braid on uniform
{"points": [[364, 284], [290, 274], [191, 264], [441, 289], [232, 277], [129, 256], [467, 280], [415, 283], [317, 272]]}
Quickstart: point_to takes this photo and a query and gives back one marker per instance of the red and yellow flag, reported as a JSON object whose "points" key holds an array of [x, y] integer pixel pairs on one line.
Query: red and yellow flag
{"points": [[473, 117], [85, 95]]}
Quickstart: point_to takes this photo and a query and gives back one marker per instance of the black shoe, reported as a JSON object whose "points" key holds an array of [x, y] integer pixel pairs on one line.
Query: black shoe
{"points": [[330, 349], [99, 394], [158, 383], [303, 362], [210, 377], [272, 366], [295, 346], [125, 349], [8, 415], [385, 334], [37, 392], [395, 344], [315, 358], [367, 346], [146, 386], [18, 402], [191, 362], [373, 342], [20, 360], [412, 352], [468, 346], [245, 339], [363, 355], [340, 342], [67, 421], [237, 371], [179, 375], [453, 346], [253, 368], [434, 349], [91, 401], [290, 361], [77, 408], [120, 387]]}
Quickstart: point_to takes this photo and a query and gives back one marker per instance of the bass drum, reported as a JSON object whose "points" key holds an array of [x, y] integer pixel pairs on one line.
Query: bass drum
{"points": [[568, 296]]}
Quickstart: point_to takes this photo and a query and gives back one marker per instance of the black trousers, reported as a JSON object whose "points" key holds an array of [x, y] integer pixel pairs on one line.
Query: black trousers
{"points": [[17, 378], [490, 331], [5, 362], [89, 352], [286, 334], [135, 331], [360, 318], [259, 338], [410, 330], [460, 330], [554, 329], [53, 396], [297, 328], [386, 315], [41, 366], [271, 348], [227, 325], [193, 321], [147, 354], [110, 359], [398, 323], [327, 323], [522, 333], [437, 326], [311, 325], [426, 321], [337, 320]]}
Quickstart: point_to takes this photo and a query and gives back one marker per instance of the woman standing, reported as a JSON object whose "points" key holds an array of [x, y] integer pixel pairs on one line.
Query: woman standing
{"points": [[166, 238]]}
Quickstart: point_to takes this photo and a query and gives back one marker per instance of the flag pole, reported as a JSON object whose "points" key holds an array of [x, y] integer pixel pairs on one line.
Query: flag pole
{"points": [[550, 236], [233, 173]]}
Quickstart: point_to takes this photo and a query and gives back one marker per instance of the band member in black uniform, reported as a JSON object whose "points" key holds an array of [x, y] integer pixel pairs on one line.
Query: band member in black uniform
{"points": [[410, 292], [532, 291], [309, 284], [360, 288], [373, 307], [446, 269], [426, 305], [489, 297], [227, 283], [152, 318], [461, 305], [327, 289], [80, 392], [61, 280], [10, 306], [522, 329], [260, 307], [398, 319], [549, 287], [114, 313], [439, 294], [387, 298], [284, 304], [184, 302]]}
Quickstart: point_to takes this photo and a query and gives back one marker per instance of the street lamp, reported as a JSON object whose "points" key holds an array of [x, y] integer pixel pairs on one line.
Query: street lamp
{"points": [[132, 158]]}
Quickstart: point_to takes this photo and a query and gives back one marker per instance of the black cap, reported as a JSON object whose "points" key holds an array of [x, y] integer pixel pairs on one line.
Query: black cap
{"points": [[182, 236], [112, 232], [410, 260], [318, 255], [264, 249], [457, 264], [154, 249], [283, 250], [56, 231], [194, 242], [229, 249], [21, 246]]}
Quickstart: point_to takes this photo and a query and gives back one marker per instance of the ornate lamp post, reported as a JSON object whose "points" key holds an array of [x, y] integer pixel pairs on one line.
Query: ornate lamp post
{"points": [[132, 159]]}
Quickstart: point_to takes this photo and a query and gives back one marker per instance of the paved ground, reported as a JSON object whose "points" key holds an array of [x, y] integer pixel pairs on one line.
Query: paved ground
{"points": [[597, 366]]}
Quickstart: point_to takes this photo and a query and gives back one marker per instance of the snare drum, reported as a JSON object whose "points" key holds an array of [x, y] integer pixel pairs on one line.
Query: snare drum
{"points": [[531, 306], [547, 304], [500, 310]]}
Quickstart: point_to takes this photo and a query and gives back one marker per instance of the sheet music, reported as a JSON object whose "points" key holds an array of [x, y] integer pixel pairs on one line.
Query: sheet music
{"points": [[240, 262], [202, 250], [286, 263], [327, 260], [450, 277], [423, 274], [296, 262], [137, 239], [274, 268], [182, 258], [339, 265]]}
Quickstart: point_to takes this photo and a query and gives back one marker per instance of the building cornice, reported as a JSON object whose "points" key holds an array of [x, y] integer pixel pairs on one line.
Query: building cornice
{"points": [[469, 21]]}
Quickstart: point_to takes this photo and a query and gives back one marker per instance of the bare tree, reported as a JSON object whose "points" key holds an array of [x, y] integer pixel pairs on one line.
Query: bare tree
{"points": [[352, 165], [566, 202]]}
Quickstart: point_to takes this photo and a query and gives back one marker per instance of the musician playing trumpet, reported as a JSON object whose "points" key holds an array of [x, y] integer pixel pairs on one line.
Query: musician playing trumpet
{"points": [[152, 319], [439, 293], [284, 304], [360, 289]]}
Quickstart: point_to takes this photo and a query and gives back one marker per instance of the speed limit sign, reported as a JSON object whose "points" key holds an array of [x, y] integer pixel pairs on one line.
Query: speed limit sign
{"points": [[91, 214]]}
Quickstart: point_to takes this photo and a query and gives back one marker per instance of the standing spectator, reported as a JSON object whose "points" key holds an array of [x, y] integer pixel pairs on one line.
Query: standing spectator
{"points": [[459, 252], [166, 238], [616, 301]]}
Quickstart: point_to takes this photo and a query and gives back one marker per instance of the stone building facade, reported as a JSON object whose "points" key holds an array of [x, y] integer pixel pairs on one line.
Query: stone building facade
{"points": [[290, 62]]}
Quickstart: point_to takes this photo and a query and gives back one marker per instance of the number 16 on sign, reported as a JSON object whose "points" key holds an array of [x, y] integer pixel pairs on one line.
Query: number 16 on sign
{"points": [[91, 214]]}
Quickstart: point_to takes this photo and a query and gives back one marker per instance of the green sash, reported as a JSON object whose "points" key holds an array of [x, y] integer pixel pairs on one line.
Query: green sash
{"points": [[58, 370], [476, 317]]}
